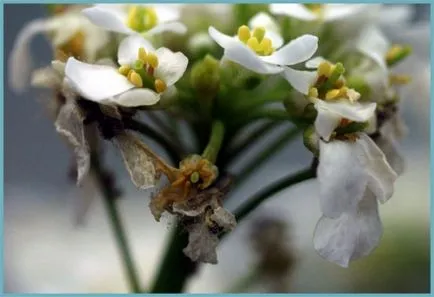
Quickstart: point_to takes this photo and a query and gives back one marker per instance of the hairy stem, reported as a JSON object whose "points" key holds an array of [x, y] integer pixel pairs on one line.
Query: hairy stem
{"points": [[116, 225]]}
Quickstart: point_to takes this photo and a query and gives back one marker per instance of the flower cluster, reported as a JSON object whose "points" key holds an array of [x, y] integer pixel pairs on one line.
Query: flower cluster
{"points": [[325, 68]]}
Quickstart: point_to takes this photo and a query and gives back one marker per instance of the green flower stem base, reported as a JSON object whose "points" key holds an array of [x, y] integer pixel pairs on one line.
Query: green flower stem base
{"points": [[217, 135]]}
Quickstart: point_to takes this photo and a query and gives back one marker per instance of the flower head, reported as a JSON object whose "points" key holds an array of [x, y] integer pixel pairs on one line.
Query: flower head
{"points": [[258, 48], [143, 76], [136, 18]]}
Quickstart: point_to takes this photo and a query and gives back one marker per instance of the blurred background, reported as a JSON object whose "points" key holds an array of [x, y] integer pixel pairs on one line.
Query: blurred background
{"points": [[46, 251]]}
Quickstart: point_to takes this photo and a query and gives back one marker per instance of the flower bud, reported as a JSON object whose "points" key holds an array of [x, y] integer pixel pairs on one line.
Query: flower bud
{"points": [[205, 76]]}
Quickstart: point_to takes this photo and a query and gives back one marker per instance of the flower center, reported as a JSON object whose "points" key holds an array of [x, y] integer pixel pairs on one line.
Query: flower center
{"points": [[72, 48], [330, 84], [256, 40], [315, 8], [141, 18], [141, 72]]}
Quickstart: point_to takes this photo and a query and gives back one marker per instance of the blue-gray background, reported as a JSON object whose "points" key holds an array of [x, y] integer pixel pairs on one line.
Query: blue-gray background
{"points": [[44, 252]]}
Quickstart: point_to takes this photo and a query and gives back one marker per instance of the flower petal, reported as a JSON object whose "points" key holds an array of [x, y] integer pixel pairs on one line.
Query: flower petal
{"points": [[109, 18], [358, 112], [129, 48], [352, 235], [300, 80], [223, 40], [374, 44], [263, 19], [298, 11], [174, 27], [95, 82], [381, 177], [276, 39], [171, 65], [296, 51], [342, 180], [390, 149], [166, 13], [137, 97], [326, 122], [333, 12], [314, 62]]}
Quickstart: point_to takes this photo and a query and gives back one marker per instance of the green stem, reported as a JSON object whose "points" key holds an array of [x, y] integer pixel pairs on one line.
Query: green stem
{"points": [[117, 227], [175, 267], [259, 197], [217, 134], [271, 149], [272, 114], [173, 152]]}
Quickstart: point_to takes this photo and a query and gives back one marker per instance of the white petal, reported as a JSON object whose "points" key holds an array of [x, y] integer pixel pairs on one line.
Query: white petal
{"points": [[171, 65], [394, 128], [263, 19], [381, 176], [96, 39], [166, 13], [137, 97], [333, 12], [276, 39], [223, 40], [314, 62], [296, 51], [298, 11], [326, 122], [390, 149], [96, 82], [358, 112], [174, 27], [109, 18], [342, 180], [65, 26], [351, 236], [300, 80], [20, 62], [129, 48], [396, 15], [374, 44]]}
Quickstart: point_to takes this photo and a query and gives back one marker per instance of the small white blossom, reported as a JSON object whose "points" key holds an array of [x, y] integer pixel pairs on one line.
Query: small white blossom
{"points": [[144, 76], [258, 48], [136, 18], [63, 29]]}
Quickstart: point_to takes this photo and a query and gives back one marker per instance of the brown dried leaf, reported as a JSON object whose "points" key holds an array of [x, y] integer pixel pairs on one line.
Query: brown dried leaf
{"points": [[202, 244], [69, 123]]}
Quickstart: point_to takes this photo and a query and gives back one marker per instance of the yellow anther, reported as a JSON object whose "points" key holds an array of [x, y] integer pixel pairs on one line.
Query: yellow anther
{"points": [[394, 51], [343, 91], [324, 69], [160, 86], [339, 83], [332, 94], [124, 70], [399, 79], [253, 43], [313, 92], [266, 46], [142, 54], [152, 60], [243, 33], [135, 79], [259, 33]]}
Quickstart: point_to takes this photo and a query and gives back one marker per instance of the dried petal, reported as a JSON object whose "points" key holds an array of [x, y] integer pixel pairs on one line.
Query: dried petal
{"points": [[202, 244], [69, 123], [223, 218]]}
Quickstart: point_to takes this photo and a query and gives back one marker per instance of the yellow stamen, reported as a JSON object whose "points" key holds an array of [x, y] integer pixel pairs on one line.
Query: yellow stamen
{"points": [[160, 86], [135, 79], [243, 33], [152, 60], [259, 33], [124, 70], [266, 47], [142, 54], [324, 69], [253, 43], [399, 79], [332, 94], [313, 92]]}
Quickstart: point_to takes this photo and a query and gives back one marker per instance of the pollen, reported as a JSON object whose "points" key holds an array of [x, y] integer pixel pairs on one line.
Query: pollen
{"points": [[244, 33], [160, 86]]}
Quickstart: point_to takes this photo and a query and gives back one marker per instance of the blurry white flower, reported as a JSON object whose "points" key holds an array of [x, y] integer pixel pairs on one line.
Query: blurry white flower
{"points": [[136, 18], [69, 31], [313, 12], [353, 175], [144, 76], [258, 48]]}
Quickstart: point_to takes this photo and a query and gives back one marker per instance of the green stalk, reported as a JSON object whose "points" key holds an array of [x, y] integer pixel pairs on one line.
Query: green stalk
{"points": [[264, 155], [117, 227], [259, 197], [272, 114], [217, 135]]}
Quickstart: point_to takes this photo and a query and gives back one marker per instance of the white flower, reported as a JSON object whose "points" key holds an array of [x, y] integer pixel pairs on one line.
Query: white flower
{"points": [[347, 169], [136, 18], [63, 29], [313, 12], [260, 50], [144, 76], [353, 176], [351, 236]]}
